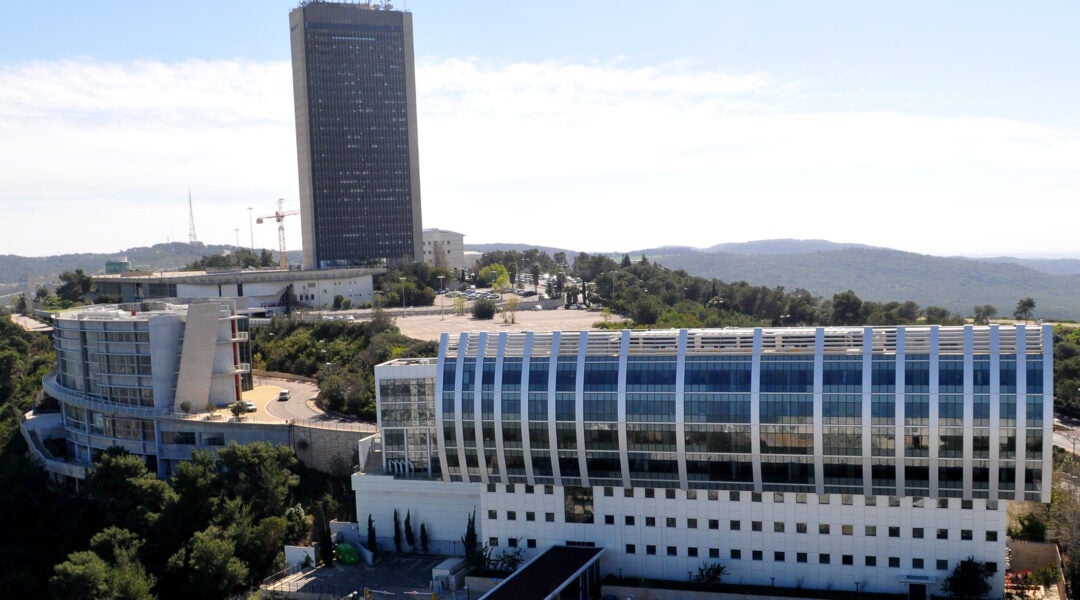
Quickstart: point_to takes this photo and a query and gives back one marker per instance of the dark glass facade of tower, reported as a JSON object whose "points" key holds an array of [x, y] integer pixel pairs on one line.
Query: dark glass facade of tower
{"points": [[355, 95]]}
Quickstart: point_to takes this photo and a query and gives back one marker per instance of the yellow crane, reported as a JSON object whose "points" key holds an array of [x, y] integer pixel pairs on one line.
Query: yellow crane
{"points": [[279, 216]]}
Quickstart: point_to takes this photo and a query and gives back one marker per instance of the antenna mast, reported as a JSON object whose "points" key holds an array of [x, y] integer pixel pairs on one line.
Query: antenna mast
{"points": [[191, 220]]}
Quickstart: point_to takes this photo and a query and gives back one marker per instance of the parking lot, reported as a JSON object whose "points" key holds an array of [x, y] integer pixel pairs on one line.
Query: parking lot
{"points": [[394, 575], [431, 326]]}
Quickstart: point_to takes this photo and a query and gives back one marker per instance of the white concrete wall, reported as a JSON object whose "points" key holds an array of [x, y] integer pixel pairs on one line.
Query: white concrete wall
{"points": [[443, 507], [165, 332]]}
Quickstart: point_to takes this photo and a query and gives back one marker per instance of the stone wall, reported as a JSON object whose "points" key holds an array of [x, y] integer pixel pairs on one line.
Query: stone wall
{"points": [[328, 450]]}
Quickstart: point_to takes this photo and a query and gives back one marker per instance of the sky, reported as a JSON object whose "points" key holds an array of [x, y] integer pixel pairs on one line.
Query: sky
{"points": [[603, 126]]}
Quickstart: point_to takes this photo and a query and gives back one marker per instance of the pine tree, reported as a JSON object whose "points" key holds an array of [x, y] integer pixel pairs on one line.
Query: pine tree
{"points": [[372, 545], [397, 532], [410, 539], [423, 538]]}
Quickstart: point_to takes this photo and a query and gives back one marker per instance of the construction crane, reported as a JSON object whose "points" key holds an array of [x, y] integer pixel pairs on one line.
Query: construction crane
{"points": [[279, 216]]}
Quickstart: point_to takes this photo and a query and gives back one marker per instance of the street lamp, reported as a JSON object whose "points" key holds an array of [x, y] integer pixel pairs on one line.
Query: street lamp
{"points": [[402, 293], [442, 312], [252, 228]]}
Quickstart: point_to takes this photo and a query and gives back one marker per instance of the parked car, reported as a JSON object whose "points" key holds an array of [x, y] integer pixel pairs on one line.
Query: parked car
{"points": [[283, 395], [247, 406]]}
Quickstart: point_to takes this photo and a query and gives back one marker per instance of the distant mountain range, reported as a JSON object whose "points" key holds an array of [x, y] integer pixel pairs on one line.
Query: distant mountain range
{"points": [[879, 274], [824, 268]]}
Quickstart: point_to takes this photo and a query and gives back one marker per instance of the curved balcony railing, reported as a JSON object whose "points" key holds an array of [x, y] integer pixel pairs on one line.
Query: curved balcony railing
{"points": [[84, 400]]}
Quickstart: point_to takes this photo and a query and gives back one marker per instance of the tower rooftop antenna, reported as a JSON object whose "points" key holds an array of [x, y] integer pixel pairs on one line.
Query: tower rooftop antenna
{"points": [[191, 219]]}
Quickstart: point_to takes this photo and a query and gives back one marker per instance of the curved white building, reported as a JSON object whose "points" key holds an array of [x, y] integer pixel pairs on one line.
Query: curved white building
{"points": [[834, 458]]}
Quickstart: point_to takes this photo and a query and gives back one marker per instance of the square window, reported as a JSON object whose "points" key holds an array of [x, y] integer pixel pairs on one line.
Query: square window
{"points": [[736, 525], [491, 488], [823, 559], [846, 499], [511, 515], [894, 532], [691, 523], [965, 534], [847, 559], [942, 534], [966, 504], [714, 523], [778, 527], [991, 505], [800, 557], [714, 495], [871, 531], [800, 528], [733, 496], [894, 562], [823, 528], [691, 494], [916, 563], [529, 489], [549, 517], [942, 565], [736, 554], [609, 519], [757, 555], [894, 501], [493, 541], [847, 530], [670, 494], [509, 488], [823, 499], [714, 553], [650, 549], [530, 516], [755, 525], [531, 543], [800, 498], [631, 549], [918, 502], [493, 514], [629, 520], [628, 492], [669, 521], [650, 493], [871, 500], [943, 503], [609, 492], [778, 497], [691, 552], [672, 551], [778, 556], [871, 561], [650, 521], [549, 489], [755, 497], [991, 536], [917, 533], [512, 542]]}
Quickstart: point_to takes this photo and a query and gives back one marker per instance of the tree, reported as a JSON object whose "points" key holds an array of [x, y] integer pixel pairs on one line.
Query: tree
{"points": [[397, 532], [423, 538], [510, 315], [709, 574], [410, 538], [75, 286], [473, 555], [534, 271], [968, 579], [372, 542], [207, 566], [483, 309], [846, 309], [1024, 309], [83, 576], [646, 311], [983, 314]]}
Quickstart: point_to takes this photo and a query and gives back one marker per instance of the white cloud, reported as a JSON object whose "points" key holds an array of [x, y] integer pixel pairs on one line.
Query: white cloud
{"points": [[99, 156]]}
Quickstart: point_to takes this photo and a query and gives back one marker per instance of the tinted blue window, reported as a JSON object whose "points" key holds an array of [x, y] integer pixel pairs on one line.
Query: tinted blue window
{"points": [[650, 375], [718, 376], [917, 374], [1035, 376], [511, 374], [538, 375], [566, 375], [449, 372], [883, 374], [601, 375], [1007, 373], [786, 376], [842, 375], [951, 375]]}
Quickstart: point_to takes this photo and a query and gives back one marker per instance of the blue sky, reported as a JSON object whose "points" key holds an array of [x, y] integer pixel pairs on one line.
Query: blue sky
{"points": [[940, 128]]}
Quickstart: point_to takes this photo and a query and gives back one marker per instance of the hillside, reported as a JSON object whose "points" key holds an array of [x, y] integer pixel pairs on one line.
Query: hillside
{"points": [[159, 257], [878, 274]]}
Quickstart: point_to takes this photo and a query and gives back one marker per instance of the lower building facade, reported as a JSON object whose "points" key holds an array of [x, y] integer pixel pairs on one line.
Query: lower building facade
{"points": [[871, 459]]}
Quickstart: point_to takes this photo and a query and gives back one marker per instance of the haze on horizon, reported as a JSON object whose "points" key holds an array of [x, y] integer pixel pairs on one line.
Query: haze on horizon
{"points": [[603, 126]]}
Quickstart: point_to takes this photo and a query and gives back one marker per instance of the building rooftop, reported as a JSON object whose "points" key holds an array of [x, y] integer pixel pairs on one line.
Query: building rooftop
{"points": [[545, 574]]}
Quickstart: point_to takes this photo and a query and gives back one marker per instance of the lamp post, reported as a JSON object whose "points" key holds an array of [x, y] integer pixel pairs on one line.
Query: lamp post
{"points": [[251, 227], [442, 312], [402, 294]]}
